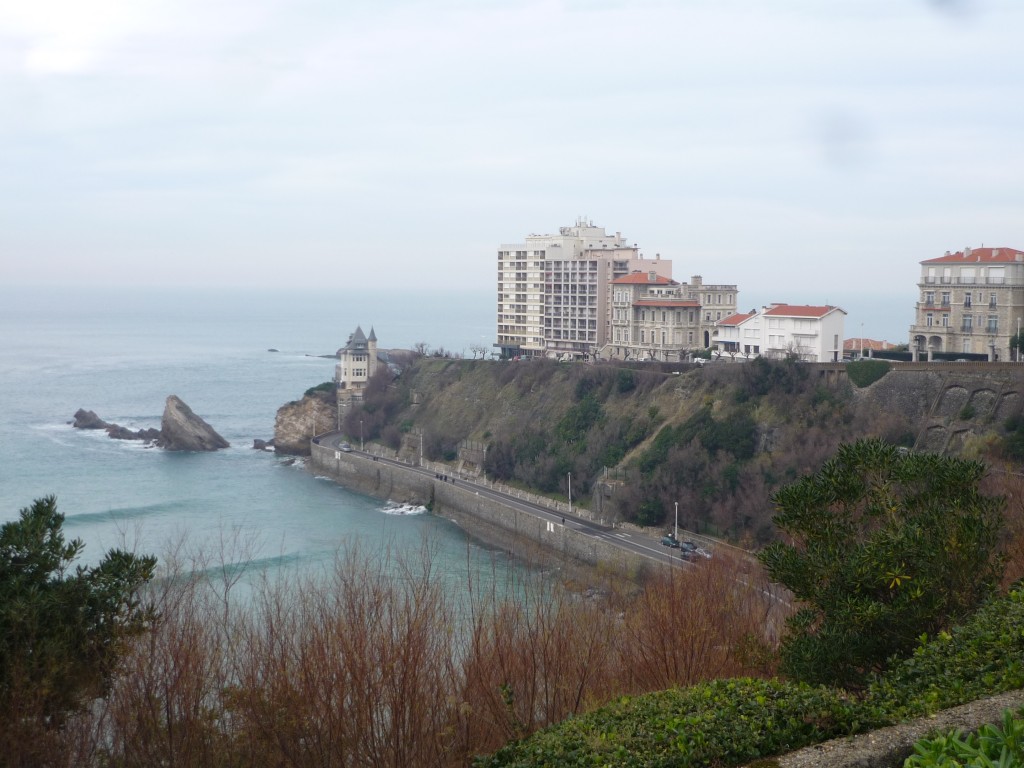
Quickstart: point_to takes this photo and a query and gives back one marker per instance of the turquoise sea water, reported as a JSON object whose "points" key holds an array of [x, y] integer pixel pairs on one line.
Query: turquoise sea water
{"points": [[121, 355]]}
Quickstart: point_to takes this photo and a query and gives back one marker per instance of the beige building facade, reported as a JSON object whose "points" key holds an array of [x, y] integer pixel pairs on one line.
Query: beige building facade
{"points": [[970, 302], [555, 291], [656, 318], [357, 362]]}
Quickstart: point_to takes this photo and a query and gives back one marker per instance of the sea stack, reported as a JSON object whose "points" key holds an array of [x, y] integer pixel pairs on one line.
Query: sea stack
{"points": [[182, 430]]}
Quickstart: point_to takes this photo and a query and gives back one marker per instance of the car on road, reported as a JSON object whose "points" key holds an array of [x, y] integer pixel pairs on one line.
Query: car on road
{"points": [[345, 447], [670, 541]]}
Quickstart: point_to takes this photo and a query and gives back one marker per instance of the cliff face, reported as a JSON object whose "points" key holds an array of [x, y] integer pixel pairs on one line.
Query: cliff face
{"points": [[714, 442], [296, 422]]}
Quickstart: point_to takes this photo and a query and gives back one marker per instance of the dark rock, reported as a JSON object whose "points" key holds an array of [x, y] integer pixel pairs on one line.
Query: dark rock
{"points": [[118, 432], [273, 350], [263, 445], [182, 430], [88, 420]]}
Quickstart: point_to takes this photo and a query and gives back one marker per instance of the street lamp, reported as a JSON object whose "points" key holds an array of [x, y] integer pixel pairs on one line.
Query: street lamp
{"points": [[570, 493], [360, 434], [675, 531]]}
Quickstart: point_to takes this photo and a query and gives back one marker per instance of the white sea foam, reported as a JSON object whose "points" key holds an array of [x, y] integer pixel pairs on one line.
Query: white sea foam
{"points": [[391, 508]]}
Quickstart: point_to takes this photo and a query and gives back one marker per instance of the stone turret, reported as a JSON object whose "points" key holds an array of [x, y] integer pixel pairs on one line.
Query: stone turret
{"points": [[357, 363]]}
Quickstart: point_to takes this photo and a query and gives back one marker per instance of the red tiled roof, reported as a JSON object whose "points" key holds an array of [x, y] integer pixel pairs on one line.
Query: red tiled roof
{"points": [[643, 278], [657, 301], [736, 319], [979, 256], [873, 344], [801, 310]]}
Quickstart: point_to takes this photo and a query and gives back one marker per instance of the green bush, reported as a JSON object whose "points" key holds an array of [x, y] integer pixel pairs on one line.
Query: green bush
{"points": [[722, 723], [885, 546], [864, 373], [327, 386], [981, 657], [992, 746]]}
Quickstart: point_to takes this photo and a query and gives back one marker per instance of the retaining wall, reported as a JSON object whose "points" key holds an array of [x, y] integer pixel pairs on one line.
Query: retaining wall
{"points": [[521, 534]]}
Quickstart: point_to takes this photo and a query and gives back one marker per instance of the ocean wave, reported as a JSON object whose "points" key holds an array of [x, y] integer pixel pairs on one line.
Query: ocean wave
{"points": [[392, 508], [124, 514]]}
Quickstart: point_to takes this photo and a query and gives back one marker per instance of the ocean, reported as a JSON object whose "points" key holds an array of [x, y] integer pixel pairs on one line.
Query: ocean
{"points": [[121, 354]]}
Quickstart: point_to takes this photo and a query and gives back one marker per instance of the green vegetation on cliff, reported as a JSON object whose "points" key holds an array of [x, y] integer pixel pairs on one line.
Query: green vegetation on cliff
{"points": [[636, 441]]}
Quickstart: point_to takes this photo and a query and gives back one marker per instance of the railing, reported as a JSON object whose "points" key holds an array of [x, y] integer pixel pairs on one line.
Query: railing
{"points": [[966, 328]]}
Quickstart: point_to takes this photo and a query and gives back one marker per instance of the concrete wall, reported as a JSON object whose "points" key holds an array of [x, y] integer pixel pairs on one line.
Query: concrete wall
{"points": [[520, 533]]}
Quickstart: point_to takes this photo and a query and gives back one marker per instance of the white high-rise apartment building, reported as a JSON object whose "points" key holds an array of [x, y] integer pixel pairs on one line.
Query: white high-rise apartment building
{"points": [[554, 291]]}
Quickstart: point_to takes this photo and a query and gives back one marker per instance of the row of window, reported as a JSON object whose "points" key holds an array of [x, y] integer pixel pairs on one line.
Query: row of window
{"points": [[970, 298], [967, 322], [622, 336]]}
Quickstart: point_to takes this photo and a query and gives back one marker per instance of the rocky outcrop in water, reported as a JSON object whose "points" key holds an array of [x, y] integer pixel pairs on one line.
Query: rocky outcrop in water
{"points": [[180, 429], [296, 422]]}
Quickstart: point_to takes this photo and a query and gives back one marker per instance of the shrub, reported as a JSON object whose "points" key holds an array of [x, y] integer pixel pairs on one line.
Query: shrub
{"points": [[981, 657], [63, 631], [724, 722], [991, 746], [327, 386], [864, 373], [886, 547], [625, 381]]}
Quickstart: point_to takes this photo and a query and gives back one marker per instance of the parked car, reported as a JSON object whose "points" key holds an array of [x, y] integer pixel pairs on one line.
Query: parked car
{"points": [[670, 541], [345, 447]]}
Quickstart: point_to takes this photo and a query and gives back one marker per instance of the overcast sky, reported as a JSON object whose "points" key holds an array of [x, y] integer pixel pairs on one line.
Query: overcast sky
{"points": [[807, 150]]}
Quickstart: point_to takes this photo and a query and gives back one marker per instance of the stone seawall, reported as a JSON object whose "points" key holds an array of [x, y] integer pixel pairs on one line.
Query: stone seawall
{"points": [[531, 537]]}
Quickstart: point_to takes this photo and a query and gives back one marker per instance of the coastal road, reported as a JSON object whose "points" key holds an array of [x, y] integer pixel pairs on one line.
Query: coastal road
{"points": [[645, 546]]}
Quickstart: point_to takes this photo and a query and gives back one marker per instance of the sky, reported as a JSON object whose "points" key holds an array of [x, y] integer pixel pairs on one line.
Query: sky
{"points": [[809, 152]]}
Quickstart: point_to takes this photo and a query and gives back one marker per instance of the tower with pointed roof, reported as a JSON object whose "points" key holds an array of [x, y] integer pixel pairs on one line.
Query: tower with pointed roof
{"points": [[357, 362]]}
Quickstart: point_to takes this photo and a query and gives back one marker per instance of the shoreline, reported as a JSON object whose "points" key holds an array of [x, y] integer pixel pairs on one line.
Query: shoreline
{"points": [[521, 535]]}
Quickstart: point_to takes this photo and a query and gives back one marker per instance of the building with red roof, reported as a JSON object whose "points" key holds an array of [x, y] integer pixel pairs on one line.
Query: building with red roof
{"points": [[969, 303], [554, 291], [656, 318], [807, 332]]}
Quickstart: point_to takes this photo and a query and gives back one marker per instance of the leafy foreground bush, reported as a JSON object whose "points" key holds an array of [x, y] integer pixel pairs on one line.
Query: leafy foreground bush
{"points": [[884, 547], [731, 722], [998, 747], [724, 722], [982, 657]]}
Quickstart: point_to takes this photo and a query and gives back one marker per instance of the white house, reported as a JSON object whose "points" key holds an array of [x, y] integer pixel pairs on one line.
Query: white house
{"points": [[812, 333]]}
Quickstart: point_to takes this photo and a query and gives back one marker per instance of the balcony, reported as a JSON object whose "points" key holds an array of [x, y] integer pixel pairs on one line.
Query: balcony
{"points": [[966, 328]]}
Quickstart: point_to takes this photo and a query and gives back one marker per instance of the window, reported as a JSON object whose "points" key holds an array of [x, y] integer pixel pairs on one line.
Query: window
{"points": [[992, 326], [707, 317], [967, 299], [929, 297], [928, 319], [992, 300], [945, 298], [945, 321]]}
